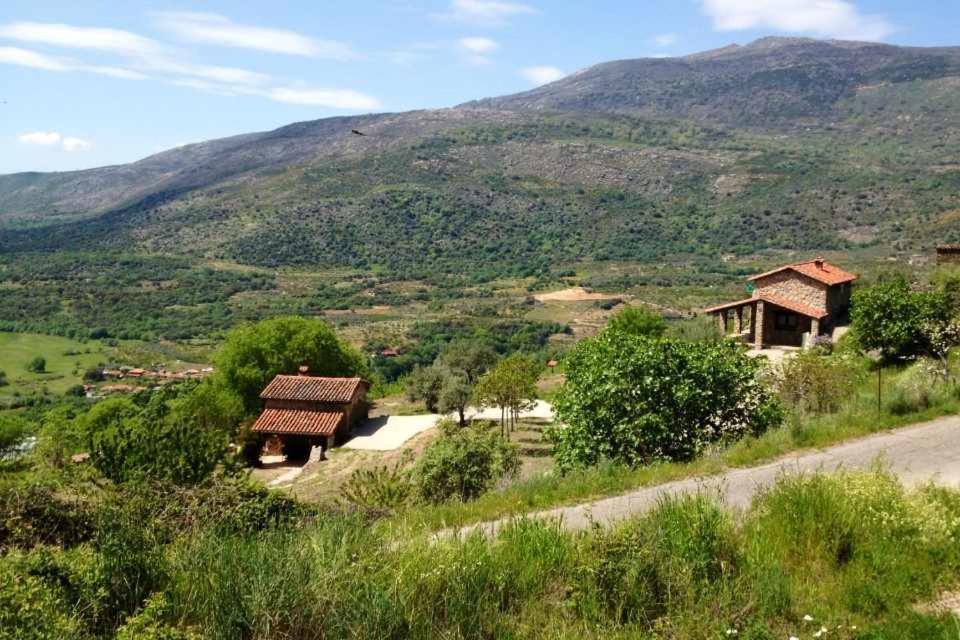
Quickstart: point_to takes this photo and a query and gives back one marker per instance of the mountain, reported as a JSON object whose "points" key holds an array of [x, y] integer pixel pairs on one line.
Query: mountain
{"points": [[780, 144], [772, 80]]}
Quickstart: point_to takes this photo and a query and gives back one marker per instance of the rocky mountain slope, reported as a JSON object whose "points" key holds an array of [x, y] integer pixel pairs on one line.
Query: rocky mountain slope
{"points": [[784, 143]]}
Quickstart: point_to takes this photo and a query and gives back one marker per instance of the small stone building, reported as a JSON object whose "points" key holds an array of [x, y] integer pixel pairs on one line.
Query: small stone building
{"points": [[789, 305], [304, 411], [948, 254]]}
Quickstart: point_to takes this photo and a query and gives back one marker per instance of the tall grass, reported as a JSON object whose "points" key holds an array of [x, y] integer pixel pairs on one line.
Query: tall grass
{"points": [[855, 550]]}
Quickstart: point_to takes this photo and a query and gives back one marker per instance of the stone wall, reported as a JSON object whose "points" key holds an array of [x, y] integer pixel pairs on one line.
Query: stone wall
{"points": [[793, 286]]}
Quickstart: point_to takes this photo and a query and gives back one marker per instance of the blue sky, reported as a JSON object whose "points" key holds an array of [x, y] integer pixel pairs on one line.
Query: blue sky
{"points": [[85, 84]]}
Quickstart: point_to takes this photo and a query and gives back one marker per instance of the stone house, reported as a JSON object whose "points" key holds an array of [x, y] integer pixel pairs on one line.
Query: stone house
{"points": [[790, 305], [302, 412]]}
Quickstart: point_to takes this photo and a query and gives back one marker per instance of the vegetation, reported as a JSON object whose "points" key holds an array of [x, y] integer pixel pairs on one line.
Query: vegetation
{"points": [[511, 385], [463, 464], [253, 354], [638, 321], [37, 364], [638, 400]]}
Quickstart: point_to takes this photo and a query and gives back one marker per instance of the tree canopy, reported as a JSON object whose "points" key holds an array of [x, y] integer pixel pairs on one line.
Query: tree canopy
{"points": [[253, 354], [638, 321], [897, 320], [635, 400]]}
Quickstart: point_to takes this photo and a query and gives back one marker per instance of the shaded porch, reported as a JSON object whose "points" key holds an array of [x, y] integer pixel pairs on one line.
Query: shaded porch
{"points": [[763, 321]]}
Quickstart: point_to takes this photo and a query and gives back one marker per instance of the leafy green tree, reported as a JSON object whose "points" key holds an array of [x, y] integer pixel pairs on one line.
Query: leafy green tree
{"points": [[425, 384], [638, 321], [468, 356], [455, 395], [3, 378], [896, 320], [159, 439], [253, 354], [511, 385], [635, 400], [37, 365], [13, 431]]}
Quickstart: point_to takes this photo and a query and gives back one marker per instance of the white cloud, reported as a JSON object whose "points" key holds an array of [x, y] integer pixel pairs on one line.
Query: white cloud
{"points": [[824, 18], [32, 59], [542, 74], [485, 11], [665, 39], [216, 29], [64, 35], [71, 144], [479, 45], [54, 139], [42, 138], [333, 98]]}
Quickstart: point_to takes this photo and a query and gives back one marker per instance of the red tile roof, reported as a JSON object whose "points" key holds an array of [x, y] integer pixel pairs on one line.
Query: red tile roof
{"points": [[313, 389], [299, 422], [790, 305], [829, 274]]}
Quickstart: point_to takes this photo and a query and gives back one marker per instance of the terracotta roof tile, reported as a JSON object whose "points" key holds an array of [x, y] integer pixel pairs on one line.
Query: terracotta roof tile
{"points": [[829, 274], [298, 421], [792, 305], [313, 389]]}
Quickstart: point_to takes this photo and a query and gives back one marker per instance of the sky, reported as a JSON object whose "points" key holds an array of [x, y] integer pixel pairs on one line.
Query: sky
{"points": [[86, 84]]}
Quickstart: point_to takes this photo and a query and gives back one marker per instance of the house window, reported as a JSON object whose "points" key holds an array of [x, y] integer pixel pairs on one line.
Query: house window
{"points": [[785, 321]]}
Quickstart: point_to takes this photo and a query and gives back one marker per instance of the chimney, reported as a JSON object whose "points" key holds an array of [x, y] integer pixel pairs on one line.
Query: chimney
{"points": [[303, 370], [818, 262]]}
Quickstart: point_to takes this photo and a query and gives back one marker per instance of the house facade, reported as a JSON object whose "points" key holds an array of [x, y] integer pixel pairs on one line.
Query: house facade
{"points": [[302, 412], [790, 305]]}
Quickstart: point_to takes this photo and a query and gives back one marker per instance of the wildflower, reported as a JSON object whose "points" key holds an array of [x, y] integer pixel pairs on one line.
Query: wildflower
{"points": [[732, 632], [793, 638], [808, 618]]}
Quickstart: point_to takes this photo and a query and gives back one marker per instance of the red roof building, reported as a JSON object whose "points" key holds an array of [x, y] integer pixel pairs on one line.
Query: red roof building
{"points": [[308, 411], [790, 306]]}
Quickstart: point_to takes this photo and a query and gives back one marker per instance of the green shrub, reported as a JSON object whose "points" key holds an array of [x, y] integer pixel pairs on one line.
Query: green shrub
{"points": [[814, 383], [464, 465], [150, 623], [13, 431], [637, 400], [3, 378], [638, 321], [37, 365], [32, 610], [34, 513]]}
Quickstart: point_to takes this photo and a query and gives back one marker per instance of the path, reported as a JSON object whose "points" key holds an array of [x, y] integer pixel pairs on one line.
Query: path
{"points": [[926, 452], [389, 432]]}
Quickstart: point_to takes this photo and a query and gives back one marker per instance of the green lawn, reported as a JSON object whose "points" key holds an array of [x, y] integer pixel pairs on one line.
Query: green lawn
{"points": [[66, 361]]}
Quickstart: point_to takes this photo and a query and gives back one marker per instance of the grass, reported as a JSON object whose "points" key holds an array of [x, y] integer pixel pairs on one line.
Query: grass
{"points": [[858, 417], [66, 361], [853, 553]]}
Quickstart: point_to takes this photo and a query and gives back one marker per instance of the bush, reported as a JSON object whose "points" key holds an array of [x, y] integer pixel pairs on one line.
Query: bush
{"points": [[34, 514], [3, 378], [814, 383], [37, 365], [13, 431], [464, 465], [638, 321], [636, 400], [32, 610], [896, 320]]}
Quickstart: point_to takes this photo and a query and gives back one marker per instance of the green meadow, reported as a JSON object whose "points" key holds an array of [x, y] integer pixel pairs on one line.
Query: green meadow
{"points": [[66, 361]]}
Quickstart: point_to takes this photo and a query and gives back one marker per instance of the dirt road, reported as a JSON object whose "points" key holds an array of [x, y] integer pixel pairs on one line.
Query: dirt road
{"points": [[921, 453]]}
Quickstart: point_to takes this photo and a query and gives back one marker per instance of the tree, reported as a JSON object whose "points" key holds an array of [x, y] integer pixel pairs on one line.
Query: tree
{"points": [[159, 438], [3, 378], [635, 400], [253, 354], [511, 385], [470, 357], [455, 395], [425, 384], [37, 365], [638, 321], [897, 321], [13, 432]]}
